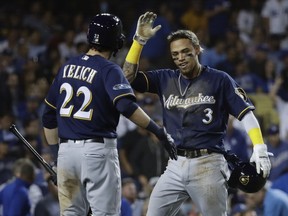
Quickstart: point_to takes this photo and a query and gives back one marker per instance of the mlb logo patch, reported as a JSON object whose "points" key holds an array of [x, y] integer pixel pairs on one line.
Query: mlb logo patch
{"points": [[85, 57]]}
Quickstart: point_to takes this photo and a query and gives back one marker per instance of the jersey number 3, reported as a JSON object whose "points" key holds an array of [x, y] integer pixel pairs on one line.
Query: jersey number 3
{"points": [[82, 113], [208, 113]]}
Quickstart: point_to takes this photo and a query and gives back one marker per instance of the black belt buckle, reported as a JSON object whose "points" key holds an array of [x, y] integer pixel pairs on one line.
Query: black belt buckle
{"points": [[192, 153]]}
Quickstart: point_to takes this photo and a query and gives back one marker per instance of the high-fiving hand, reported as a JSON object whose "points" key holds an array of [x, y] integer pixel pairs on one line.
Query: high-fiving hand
{"points": [[145, 30]]}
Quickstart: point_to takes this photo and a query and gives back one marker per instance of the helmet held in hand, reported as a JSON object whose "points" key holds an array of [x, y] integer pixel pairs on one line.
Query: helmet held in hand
{"points": [[245, 177]]}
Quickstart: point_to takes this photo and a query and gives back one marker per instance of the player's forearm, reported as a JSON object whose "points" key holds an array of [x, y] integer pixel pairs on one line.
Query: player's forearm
{"points": [[51, 135], [140, 118], [130, 71], [130, 66], [252, 128]]}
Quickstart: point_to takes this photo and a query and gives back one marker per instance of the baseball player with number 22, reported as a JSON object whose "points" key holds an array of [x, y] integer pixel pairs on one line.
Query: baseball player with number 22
{"points": [[82, 108], [196, 102]]}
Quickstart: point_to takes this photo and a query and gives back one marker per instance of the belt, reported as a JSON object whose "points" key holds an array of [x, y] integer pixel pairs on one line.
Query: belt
{"points": [[94, 140], [193, 153]]}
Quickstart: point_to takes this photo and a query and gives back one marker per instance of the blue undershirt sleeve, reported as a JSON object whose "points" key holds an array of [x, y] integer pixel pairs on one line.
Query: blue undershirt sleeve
{"points": [[126, 106]]}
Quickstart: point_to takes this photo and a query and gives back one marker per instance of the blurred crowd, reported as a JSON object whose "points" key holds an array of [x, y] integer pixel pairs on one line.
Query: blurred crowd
{"points": [[247, 39]]}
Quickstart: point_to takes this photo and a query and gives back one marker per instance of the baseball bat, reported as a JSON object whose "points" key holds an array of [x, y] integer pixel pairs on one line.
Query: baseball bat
{"points": [[46, 165]]}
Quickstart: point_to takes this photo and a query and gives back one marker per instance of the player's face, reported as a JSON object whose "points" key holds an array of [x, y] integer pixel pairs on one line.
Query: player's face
{"points": [[184, 55]]}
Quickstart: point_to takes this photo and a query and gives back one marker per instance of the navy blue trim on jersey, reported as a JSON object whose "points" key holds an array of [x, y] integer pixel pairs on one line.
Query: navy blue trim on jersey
{"points": [[244, 112], [196, 111]]}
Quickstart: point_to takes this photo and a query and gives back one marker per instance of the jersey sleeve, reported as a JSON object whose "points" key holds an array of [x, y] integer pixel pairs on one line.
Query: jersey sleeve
{"points": [[236, 98], [146, 82], [51, 98], [117, 85]]}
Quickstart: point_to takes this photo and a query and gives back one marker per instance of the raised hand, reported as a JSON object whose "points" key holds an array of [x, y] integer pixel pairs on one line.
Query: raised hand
{"points": [[145, 30]]}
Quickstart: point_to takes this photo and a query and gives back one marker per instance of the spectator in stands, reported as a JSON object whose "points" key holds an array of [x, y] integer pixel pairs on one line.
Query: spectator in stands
{"points": [[126, 209], [258, 39], [241, 209], [217, 12], [229, 63], [130, 193], [279, 94], [249, 81], [36, 45], [194, 17], [248, 18], [269, 76], [281, 182], [275, 17], [268, 201], [148, 160], [214, 55], [258, 61], [6, 121], [6, 163], [66, 47], [127, 144], [12, 93], [49, 204], [14, 197], [279, 148]]}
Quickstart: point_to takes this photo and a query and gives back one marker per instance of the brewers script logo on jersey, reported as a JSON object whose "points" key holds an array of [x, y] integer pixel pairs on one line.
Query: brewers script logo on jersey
{"points": [[175, 101]]}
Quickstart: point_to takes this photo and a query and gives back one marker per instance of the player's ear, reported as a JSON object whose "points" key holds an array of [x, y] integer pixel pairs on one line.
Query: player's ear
{"points": [[197, 50]]}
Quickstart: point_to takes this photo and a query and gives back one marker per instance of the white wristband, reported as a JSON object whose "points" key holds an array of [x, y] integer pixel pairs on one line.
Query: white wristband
{"points": [[139, 39]]}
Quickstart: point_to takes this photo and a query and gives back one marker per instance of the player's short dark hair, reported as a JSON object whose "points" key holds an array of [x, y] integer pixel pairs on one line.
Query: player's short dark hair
{"points": [[184, 34]]}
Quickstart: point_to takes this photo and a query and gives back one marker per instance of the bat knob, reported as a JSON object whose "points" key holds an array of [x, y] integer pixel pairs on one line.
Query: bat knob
{"points": [[12, 127]]}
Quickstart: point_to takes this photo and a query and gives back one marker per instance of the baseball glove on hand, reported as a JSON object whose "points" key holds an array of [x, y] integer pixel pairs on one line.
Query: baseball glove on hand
{"points": [[168, 143], [261, 158], [145, 28]]}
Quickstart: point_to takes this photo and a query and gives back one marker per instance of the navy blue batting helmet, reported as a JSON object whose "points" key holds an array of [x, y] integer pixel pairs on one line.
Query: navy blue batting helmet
{"points": [[105, 30], [245, 177]]}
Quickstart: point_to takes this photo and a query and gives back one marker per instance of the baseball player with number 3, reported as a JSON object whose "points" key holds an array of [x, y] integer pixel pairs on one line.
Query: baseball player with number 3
{"points": [[82, 109], [196, 102]]}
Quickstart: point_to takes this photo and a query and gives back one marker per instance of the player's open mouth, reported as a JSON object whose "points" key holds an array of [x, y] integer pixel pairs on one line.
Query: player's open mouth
{"points": [[183, 65]]}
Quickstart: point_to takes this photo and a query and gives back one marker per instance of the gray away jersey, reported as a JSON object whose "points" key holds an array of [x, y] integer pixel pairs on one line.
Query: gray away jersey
{"points": [[196, 111]]}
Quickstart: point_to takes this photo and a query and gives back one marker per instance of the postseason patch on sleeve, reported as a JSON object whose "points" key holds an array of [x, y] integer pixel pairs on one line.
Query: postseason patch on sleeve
{"points": [[121, 86]]}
